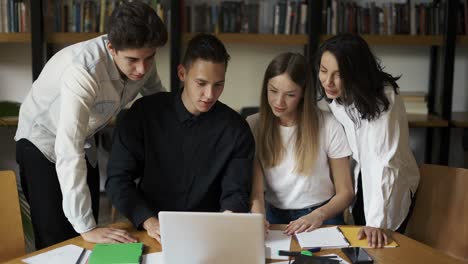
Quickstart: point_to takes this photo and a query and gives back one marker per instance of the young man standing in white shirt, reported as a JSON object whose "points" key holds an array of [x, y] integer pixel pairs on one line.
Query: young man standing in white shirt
{"points": [[79, 90]]}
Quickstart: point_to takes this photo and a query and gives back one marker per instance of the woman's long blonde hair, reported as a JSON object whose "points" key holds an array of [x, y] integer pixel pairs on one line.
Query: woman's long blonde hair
{"points": [[270, 149]]}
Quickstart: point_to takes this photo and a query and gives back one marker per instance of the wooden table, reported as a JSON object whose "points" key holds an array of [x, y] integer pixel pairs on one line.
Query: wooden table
{"points": [[410, 251]]}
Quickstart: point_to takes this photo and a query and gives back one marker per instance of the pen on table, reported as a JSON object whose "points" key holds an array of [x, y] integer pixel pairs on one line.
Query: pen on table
{"points": [[298, 253], [314, 249], [80, 256]]}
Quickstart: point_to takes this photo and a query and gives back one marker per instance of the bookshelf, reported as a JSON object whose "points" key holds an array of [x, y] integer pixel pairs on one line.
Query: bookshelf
{"points": [[24, 37], [260, 36]]}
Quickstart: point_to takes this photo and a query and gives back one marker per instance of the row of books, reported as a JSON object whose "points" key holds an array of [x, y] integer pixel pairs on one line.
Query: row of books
{"points": [[388, 18], [83, 15], [14, 16], [263, 16]]}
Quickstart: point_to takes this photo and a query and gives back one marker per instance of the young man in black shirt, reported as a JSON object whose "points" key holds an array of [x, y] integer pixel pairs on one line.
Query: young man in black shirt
{"points": [[189, 151]]}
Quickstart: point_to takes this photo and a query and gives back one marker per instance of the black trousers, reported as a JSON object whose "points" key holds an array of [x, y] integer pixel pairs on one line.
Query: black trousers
{"points": [[358, 210], [42, 190]]}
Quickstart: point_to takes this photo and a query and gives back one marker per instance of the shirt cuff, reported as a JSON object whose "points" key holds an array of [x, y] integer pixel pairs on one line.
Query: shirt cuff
{"points": [[141, 215], [237, 205], [85, 224]]}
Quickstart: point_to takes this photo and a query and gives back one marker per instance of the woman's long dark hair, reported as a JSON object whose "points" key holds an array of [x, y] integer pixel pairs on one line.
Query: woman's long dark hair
{"points": [[363, 79]]}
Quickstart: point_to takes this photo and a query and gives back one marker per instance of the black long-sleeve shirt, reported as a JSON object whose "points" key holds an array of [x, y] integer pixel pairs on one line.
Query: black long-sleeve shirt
{"points": [[184, 162]]}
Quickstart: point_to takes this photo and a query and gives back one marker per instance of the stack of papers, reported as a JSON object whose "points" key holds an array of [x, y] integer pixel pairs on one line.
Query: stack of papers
{"points": [[336, 257], [326, 237], [275, 241], [128, 253], [65, 254], [153, 258]]}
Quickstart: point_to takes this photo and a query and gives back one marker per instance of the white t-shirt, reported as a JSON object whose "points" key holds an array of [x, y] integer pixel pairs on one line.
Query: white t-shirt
{"points": [[286, 189]]}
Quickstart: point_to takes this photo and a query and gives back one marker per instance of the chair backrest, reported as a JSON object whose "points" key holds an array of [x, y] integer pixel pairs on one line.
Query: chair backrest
{"points": [[11, 228], [440, 215]]}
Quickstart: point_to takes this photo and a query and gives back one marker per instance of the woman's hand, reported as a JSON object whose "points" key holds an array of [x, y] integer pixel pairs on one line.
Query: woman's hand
{"points": [[376, 237], [307, 223]]}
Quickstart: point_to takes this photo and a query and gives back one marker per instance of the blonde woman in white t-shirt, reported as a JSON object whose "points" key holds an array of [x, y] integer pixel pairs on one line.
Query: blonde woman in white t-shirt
{"points": [[301, 173]]}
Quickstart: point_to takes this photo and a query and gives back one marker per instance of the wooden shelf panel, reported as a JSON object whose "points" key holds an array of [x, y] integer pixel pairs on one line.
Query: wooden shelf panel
{"points": [[398, 40], [271, 39], [265, 39], [70, 38], [462, 39], [15, 37], [460, 119], [426, 121], [8, 121]]}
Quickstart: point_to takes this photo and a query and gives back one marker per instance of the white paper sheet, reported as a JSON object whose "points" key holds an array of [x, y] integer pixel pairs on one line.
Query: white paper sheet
{"points": [[153, 258], [326, 237], [276, 240], [342, 261], [65, 254]]}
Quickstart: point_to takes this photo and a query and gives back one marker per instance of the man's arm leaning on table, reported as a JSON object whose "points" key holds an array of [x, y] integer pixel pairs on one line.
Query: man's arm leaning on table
{"points": [[125, 165], [237, 180]]}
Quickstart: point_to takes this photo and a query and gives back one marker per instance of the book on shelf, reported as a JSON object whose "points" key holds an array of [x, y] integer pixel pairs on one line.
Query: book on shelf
{"points": [[402, 17], [263, 16], [85, 15], [14, 16]]}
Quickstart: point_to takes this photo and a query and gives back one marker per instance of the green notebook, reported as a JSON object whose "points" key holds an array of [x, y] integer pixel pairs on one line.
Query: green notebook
{"points": [[128, 253]]}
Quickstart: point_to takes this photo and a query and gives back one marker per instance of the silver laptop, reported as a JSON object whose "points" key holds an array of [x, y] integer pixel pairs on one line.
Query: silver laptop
{"points": [[206, 238]]}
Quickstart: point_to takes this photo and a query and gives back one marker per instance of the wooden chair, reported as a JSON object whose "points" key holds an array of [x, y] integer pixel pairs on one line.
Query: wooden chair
{"points": [[11, 227], [440, 215]]}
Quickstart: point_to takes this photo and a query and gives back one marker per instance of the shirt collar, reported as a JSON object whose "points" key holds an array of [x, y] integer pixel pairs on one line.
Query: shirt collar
{"points": [[112, 68]]}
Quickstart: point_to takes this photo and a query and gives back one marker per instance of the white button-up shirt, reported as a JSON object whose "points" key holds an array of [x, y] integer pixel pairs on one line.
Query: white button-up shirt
{"points": [[388, 169], [78, 91]]}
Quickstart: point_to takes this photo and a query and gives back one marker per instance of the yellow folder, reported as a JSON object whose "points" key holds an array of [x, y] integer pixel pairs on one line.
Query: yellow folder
{"points": [[351, 234]]}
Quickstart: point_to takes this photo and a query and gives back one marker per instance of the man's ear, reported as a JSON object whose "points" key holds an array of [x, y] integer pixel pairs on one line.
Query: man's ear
{"points": [[181, 72], [111, 49]]}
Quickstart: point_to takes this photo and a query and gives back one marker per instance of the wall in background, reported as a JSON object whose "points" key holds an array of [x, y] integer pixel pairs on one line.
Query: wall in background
{"points": [[15, 71]]}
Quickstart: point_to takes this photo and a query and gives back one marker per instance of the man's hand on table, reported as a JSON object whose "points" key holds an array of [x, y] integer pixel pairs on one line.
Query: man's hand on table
{"points": [[151, 225], [108, 235]]}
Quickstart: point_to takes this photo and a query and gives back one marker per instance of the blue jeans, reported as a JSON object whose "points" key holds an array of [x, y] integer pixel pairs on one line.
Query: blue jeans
{"points": [[283, 216]]}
